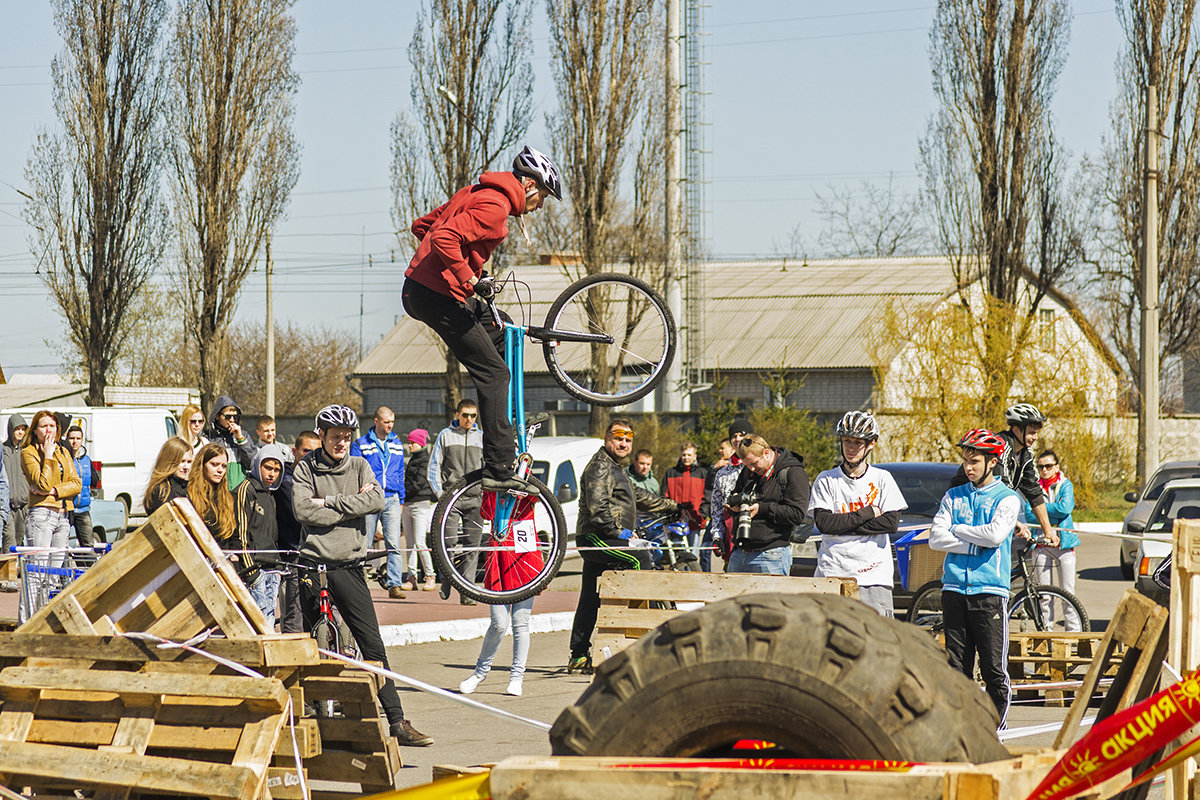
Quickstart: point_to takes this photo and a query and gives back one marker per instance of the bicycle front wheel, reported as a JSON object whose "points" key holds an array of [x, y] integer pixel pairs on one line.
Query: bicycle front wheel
{"points": [[1058, 610], [638, 339], [497, 547]]}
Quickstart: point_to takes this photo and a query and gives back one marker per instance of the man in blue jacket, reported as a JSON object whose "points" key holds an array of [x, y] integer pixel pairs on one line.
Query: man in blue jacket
{"points": [[81, 517], [384, 451], [974, 526]]}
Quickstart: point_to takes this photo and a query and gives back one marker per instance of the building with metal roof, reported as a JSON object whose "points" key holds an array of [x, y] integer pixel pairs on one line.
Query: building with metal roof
{"points": [[816, 321]]}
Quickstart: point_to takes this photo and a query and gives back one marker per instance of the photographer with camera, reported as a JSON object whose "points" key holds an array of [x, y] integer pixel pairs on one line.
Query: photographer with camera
{"points": [[856, 507], [608, 507], [769, 499]]}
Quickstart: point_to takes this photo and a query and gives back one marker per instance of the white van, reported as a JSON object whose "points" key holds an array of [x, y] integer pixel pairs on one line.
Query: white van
{"points": [[123, 440], [558, 462]]}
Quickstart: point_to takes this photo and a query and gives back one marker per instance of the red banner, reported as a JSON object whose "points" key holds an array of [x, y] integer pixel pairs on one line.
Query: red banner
{"points": [[1124, 739], [822, 764]]}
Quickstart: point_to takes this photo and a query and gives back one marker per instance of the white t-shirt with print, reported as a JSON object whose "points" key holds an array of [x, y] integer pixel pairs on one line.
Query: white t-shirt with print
{"points": [[865, 558]]}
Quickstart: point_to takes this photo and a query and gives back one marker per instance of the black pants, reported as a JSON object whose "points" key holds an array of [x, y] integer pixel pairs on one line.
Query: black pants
{"points": [[81, 521], [979, 624], [461, 330], [353, 601], [589, 598]]}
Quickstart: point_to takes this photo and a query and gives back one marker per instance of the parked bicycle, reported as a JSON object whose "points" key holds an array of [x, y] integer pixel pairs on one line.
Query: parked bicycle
{"points": [[330, 631], [671, 551], [607, 340], [1032, 607]]}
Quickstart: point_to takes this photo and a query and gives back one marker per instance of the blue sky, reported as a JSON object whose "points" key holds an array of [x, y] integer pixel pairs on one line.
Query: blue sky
{"points": [[802, 95]]}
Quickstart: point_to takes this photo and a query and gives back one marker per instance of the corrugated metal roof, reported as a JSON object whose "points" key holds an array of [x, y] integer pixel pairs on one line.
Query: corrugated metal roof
{"points": [[757, 314]]}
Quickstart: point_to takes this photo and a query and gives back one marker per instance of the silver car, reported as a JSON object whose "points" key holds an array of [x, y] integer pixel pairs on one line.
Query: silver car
{"points": [[1135, 520], [1179, 499]]}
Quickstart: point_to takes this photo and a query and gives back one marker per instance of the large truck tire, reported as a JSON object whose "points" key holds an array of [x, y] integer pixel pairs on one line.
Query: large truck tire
{"points": [[820, 676]]}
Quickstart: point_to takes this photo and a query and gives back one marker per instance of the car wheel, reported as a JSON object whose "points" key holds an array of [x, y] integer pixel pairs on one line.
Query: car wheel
{"points": [[1126, 566]]}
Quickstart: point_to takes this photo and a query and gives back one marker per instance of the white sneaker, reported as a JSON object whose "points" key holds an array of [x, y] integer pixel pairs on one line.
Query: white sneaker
{"points": [[468, 686], [514, 687]]}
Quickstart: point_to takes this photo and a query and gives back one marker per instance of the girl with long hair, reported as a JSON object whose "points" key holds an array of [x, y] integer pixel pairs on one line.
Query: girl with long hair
{"points": [[169, 478], [210, 494], [191, 426], [53, 483]]}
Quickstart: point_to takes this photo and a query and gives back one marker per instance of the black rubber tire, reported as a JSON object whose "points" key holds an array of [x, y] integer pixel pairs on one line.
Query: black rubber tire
{"points": [[339, 641], [1018, 612], [821, 676], [925, 610], [665, 327], [555, 542], [1126, 567]]}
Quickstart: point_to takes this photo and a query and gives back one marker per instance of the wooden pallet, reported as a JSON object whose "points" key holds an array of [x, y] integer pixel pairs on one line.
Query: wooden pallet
{"points": [[129, 734], [580, 778], [1038, 657], [626, 596], [168, 578]]}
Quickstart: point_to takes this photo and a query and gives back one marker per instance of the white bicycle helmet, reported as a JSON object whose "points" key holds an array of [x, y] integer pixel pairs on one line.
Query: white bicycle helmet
{"points": [[857, 425], [336, 416], [529, 163], [1024, 414]]}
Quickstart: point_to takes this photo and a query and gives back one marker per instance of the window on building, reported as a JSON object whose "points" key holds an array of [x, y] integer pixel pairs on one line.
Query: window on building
{"points": [[1046, 328], [435, 408]]}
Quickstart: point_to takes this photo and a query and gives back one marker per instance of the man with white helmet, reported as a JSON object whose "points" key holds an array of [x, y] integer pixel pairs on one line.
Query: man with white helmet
{"points": [[446, 274], [856, 508]]}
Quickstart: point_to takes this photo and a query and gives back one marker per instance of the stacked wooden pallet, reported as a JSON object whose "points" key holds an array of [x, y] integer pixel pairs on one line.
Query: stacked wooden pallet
{"points": [[632, 603], [1040, 662], [90, 704]]}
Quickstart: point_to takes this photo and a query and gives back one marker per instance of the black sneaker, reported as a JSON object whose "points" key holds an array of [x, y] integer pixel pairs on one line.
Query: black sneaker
{"points": [[510, 484], [466, 601], [405, 734], [444, 590], [580, 664]]}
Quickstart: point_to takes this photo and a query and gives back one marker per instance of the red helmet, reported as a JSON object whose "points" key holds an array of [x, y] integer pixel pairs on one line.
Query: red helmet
{"points": [[984, 441]]}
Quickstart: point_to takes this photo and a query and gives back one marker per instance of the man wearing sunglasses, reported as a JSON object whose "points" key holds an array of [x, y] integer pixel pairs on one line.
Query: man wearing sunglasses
{"points": [[457, 451], [224, 428], [608, 509]]}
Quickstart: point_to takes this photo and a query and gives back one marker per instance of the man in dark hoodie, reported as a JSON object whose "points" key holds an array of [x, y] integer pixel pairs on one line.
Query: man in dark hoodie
{"points": [[332, 495], [456, 240], [291, 617], [224, 428], [258, 528], [775, 479], [18, 487]]}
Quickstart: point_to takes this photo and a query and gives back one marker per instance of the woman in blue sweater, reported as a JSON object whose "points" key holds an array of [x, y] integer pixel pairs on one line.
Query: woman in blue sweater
{"points": [[1055, 564]]}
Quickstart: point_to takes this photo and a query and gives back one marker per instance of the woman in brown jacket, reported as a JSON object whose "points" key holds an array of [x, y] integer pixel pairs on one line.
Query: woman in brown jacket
{"points": [[53, 483]]}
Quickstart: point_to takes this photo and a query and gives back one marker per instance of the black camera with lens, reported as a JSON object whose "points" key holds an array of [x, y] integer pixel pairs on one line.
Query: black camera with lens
{"points": [[741, 520]]}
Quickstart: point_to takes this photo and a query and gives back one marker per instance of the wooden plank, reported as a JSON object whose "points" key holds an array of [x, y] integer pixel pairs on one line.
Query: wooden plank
{"points": [[71, 618], [336, 731], [371, 769], [643, 619], [702, 587], [308, 740], [26, 761], [257, 744], [284, 783], [16, 718], [258, 694], [250, 652], [132, 735], [346, 688]]}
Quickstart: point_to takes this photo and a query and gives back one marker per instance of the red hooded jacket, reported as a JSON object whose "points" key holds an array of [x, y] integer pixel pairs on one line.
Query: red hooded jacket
{"points": [[457, 238]]}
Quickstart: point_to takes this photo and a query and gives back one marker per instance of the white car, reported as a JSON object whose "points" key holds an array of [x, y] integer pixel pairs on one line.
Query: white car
{"points": [[1180, 499], [1144, 502], [558, 462]]}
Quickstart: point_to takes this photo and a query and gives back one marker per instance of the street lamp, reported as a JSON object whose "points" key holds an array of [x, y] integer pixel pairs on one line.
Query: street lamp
{"points": [[452, 99]]}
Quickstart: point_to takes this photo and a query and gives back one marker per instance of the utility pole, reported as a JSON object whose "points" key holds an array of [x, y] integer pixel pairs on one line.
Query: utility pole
{"points": [[674, 391], [1150, 404], [270, 334]]}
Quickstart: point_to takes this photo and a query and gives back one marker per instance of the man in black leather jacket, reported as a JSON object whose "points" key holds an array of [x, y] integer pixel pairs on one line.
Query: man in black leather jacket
{"points": [[608, 507]]}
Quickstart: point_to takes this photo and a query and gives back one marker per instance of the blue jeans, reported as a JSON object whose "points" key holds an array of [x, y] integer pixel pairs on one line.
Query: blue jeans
{"points": [[519, 614], [393, 537], [772, 561], [44, 527], [265, 591]]}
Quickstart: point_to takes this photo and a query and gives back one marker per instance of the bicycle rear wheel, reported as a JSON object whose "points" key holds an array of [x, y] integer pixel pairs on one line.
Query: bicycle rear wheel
{"points": [[641, 328], [1056, 612], [497, 548], [925, 610]]}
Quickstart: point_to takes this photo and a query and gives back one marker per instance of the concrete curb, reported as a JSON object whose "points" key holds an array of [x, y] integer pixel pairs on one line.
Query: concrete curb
{"points": [[459, 630]]}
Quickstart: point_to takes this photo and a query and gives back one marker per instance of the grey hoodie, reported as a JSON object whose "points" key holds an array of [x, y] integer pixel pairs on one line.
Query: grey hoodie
{"points": [[18, 486], [336, 531]]}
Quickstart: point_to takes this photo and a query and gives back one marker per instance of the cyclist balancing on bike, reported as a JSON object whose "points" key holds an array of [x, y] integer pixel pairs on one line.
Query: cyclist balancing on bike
{"points": [[456, 240], [974, 526], [333, 492]]}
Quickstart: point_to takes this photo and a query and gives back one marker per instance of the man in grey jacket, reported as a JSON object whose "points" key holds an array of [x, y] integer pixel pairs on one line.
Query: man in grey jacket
{"points": [[458, 451], [18, 487], [332, 494]]}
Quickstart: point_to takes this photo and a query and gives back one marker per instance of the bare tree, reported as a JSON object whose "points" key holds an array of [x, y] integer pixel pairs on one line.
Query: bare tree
{"points": [[994, 173], [311, 365], [234, 158], [472, 89], [1159, 50], [95, 206], [875, 221], [605, 58]]}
